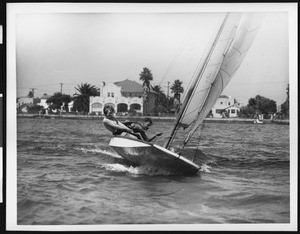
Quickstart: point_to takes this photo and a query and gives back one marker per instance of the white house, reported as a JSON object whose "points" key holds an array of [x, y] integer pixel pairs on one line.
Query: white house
{"points": [[70, 106], [24, 100], [121, 95], [43, 101], [228, 104]]}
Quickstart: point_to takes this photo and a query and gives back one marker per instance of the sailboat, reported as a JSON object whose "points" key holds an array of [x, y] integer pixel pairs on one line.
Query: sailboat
{"points": [[226, 52]]}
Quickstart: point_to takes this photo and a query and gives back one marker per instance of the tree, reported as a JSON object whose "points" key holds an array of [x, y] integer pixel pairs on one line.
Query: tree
{"points": [[260, 105], [34, 109], [177, 89], [161, 102], [161, 97], [82, 100], [58, 101], [146, 76], [285, 107]]}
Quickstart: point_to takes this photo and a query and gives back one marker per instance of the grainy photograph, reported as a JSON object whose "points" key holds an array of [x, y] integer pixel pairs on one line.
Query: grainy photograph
{"points": [[151, 116]]}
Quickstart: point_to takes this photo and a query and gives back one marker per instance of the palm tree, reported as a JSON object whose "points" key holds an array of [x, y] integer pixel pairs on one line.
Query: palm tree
{"points": [[82, 100], [161, 102], [177, 89], [161, 97], [157, 88], [146, 77]]}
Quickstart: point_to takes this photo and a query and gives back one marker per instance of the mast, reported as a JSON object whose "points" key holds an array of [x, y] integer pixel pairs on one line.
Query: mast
{"points": [[194, 84]]}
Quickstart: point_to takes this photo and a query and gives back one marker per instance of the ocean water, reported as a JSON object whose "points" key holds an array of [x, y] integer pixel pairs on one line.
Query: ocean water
{"points": [[68, 175]]}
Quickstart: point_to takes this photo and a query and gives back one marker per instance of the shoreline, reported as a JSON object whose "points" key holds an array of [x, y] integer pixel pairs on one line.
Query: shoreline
{"points": [[157, 118]]}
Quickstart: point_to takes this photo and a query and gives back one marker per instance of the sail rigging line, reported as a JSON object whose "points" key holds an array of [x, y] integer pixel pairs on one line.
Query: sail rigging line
{"points": [[195, 82], [183, 44], [198, 67], [199, 139]]}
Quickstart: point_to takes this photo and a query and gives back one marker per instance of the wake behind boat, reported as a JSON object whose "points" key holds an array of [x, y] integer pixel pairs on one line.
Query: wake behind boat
{"points": [[229, 46]]}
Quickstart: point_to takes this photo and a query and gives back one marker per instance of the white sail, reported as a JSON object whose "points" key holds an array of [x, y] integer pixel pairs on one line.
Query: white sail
{"points": [[217, 75], [232, 41]]}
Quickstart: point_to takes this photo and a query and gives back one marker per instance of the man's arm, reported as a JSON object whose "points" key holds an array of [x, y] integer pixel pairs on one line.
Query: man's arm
{"points": [[157, 134], [142, 132]]}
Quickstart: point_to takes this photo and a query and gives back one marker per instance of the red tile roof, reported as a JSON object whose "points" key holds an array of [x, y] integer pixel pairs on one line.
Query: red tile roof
{"points": [[45, 96], [223, 96], [130, 86]]}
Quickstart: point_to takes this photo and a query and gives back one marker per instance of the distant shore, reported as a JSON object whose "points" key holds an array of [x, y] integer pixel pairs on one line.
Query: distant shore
{"points": [[157, 118]]}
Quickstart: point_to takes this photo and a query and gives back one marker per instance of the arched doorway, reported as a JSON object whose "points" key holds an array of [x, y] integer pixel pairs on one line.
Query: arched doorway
{"points": [[135, 106], [97, 107], [135, 109], [110, 104], [122, 107]]}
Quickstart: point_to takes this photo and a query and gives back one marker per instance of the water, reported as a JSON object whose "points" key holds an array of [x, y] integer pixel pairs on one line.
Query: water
{"points": [[68, 175]]}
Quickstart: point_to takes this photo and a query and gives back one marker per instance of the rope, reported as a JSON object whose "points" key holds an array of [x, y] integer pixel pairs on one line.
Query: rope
{"points": [[199, 139], [180, 49]]}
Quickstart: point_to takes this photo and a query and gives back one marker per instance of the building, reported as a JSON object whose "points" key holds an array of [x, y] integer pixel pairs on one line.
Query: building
{"points": [[43, 101], [125, 96], [23, 103], [226, 106], [24, 100]]}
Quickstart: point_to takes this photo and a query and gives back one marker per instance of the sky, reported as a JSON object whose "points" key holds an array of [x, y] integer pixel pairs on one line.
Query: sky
{"points": [[95, 47]]}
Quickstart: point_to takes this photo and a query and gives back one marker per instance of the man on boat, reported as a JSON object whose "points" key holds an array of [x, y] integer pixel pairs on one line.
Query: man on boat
{"points": [[142, 128], [135, 129]]}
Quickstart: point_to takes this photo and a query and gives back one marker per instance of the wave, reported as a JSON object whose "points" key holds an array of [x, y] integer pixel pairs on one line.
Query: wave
{"points": [[138, 170], [147, 169], [99, 151], [205, 168]]}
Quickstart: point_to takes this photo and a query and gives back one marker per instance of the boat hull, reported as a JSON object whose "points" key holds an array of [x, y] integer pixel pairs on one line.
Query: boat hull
{"points": [[146, 154]]}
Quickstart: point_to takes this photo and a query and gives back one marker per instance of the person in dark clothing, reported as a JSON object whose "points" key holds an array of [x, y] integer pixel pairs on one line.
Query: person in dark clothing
{"points": [[142, 128]]}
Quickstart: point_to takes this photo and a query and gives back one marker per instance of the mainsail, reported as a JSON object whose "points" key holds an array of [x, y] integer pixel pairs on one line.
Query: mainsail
{"points": [[232, 41]]}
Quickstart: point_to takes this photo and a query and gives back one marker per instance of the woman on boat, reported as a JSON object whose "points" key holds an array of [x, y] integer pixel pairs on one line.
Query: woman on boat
{"points": [[113, 125]]}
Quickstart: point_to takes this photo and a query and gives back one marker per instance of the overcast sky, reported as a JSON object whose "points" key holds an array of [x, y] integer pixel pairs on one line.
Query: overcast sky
{"points": [[75, 48]]}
